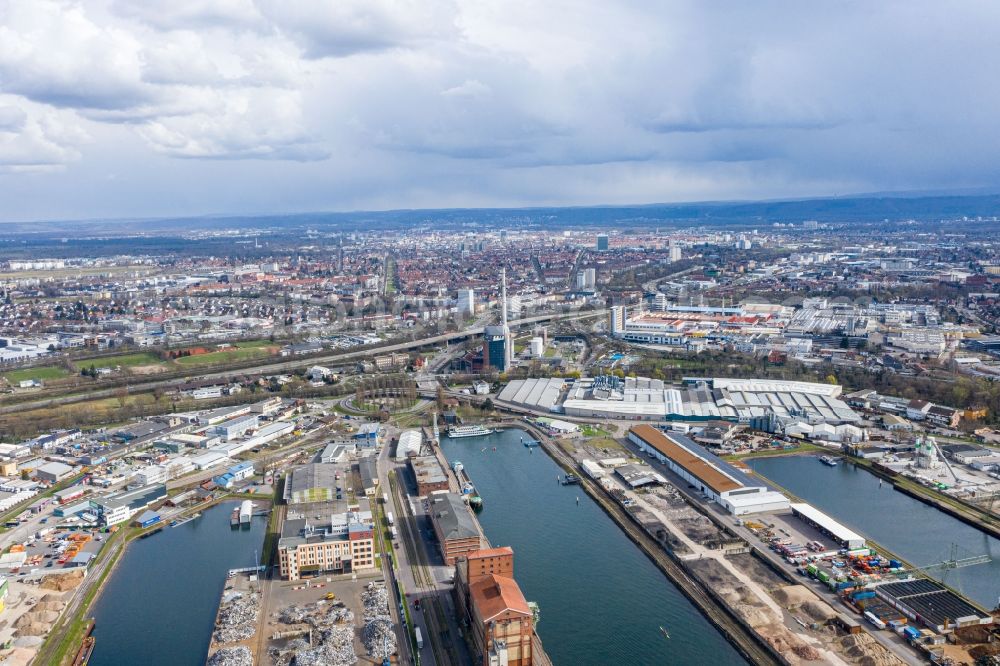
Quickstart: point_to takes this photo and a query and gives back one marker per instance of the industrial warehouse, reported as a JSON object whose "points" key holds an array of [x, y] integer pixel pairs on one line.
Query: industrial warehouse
{"points": [[846, 537], [930, 603], [767, 404], [719, 481]]}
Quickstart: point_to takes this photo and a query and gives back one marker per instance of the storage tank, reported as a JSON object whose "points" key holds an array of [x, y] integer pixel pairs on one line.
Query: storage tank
{"points": [[537, 347]]}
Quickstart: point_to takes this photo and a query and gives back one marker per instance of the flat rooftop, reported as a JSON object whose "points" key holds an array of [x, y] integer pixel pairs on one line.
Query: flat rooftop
{"points": [[711, 470], [311, 476], [836, 529], [935, 604], [427, 469]]}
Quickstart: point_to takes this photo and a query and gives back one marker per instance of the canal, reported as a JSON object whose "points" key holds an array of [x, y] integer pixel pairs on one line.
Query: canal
{"points": [[158, 608], [919, 533], [601, 600]]}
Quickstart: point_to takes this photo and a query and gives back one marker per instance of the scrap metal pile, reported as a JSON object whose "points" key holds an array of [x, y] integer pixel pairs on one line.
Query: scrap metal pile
{"points": [[237, 617], [232, 656], [377, 635], [331, 629]]}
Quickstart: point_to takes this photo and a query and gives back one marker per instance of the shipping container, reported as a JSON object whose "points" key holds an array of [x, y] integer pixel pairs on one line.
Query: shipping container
{"points": [[877, 623]]}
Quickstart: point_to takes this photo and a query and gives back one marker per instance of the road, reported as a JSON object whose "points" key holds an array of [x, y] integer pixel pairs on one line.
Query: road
{"points": [[46, 655], [422, 573], [265, 367]]}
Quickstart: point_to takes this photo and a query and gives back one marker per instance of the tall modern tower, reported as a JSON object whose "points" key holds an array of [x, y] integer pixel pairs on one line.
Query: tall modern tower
{"points": [[616, 323], [467, 302], [499, 348]]}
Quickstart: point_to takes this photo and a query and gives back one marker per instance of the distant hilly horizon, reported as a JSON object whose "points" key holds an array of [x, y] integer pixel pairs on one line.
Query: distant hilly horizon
{"points": [[868, 207]]}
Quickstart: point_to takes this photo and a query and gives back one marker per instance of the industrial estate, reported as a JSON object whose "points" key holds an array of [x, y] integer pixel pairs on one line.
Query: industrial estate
{"points": [[318, 442]]}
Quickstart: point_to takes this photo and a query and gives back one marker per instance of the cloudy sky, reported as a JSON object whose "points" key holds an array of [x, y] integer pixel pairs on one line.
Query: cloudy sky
{"points": [[144, 108]]}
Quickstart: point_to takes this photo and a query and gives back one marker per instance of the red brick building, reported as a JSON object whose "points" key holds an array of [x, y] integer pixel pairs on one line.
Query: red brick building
{"points": [[502, 624]]}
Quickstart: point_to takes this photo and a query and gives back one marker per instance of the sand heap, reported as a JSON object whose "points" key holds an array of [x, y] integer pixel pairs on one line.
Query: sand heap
{"points": [[35, 623], [869, 652], [62, 582]]}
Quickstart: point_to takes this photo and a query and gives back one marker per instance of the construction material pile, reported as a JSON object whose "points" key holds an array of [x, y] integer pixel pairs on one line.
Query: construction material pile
{"points": [[62, 582], [336, 648], [237, 617], [232, 656], [377, 634], [332, 635], [317, 615], [868, 652]]}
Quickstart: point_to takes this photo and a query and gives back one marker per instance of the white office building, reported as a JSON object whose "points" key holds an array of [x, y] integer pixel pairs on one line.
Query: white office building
{"points": [[616, 324], [467, 301]]}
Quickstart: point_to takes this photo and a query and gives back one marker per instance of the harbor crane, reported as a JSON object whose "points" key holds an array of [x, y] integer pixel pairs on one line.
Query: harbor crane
{"points": [[954, 562], [987, 504]]}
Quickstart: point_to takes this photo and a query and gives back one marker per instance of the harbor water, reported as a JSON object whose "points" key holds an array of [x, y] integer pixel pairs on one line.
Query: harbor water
{"points": [[601, 600], [919, 533], [158, 608]]}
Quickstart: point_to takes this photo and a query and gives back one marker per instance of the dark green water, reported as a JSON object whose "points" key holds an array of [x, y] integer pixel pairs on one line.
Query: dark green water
{"points": [[159, 606], [919, 533], [602, 601]]}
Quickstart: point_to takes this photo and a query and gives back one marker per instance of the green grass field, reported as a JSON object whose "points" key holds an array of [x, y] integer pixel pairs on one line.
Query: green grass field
{"points": [[594, 431], [124, 360], [43, 373]]}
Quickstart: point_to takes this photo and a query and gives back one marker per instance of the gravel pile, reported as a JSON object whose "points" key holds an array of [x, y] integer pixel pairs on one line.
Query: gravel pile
{"points": [[232, 656], [237, 618], [377, 635]]}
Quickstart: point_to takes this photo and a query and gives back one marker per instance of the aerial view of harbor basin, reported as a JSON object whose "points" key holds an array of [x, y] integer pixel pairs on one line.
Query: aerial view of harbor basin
{"points": [[395, 333]]}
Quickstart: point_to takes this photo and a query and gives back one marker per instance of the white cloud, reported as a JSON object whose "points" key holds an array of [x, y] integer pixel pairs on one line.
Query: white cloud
{"points": [[12, 118], [190, 13], [43, 140], [341, 28], [386, 103], [468, 88], [54, 53], [244, 124]]}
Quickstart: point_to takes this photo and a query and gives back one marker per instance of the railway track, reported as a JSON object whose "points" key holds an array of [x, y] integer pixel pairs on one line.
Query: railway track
{"points": [[268, 366], [435, 622]]}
